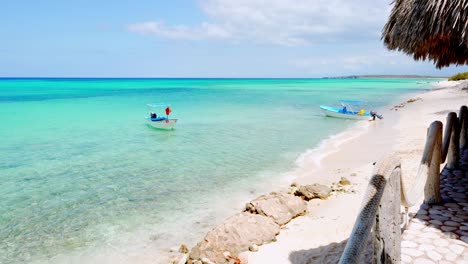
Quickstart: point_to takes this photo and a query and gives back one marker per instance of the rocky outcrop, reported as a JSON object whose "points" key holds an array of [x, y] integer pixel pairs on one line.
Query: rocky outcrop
{"points": [[278, 206], [235, 235], [257, 225], [312, 191]]}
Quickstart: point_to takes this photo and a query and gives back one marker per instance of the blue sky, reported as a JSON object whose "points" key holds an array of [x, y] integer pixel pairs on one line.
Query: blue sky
{"points": [[200, 38]]}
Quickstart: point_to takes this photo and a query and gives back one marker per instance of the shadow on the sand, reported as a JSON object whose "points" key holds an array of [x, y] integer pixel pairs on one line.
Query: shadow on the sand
{"points": [[453, 209], [329, 254]]}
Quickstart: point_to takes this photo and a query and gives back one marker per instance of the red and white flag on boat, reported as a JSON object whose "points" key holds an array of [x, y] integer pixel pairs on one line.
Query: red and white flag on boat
{"points": [[168, 110]]}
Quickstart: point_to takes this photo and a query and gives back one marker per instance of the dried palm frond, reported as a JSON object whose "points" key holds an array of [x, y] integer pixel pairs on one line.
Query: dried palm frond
{"points": [[429, 29]]}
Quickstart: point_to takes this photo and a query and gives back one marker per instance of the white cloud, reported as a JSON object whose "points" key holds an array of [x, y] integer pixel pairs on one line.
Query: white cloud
{"points": [[205, 30], [377, 58], [282, 22]]}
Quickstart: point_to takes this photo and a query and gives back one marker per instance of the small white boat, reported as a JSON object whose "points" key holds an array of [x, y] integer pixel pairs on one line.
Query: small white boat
{"points": [[157, 121], [350, 109]]}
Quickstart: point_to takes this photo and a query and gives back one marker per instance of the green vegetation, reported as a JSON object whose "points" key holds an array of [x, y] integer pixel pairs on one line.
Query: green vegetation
{"points": [[459, 76]]}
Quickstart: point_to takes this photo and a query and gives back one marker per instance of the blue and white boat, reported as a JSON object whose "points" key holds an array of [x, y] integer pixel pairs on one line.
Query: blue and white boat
{"points": [[350, 109], [157, 120]]}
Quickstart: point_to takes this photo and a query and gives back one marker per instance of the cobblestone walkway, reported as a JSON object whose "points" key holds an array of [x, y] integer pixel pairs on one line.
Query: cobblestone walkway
{"points": [[439, 233]]}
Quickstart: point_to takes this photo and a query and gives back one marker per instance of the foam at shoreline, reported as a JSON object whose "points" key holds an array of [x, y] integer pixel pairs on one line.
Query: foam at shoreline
{"points": [[339, 151], [331, 145]]}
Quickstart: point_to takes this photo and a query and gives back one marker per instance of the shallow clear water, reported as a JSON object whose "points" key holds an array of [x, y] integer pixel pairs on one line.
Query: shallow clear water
{"points": [[80, 169]]}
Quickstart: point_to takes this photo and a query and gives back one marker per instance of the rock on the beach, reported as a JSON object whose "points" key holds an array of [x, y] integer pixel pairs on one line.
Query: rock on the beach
{"points": [[344, 181], [235, 235], [314, 191], [278, 206]]}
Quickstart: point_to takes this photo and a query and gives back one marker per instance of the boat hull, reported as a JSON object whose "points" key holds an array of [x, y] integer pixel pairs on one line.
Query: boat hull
{"points": [[162, 124], [335, 112]]}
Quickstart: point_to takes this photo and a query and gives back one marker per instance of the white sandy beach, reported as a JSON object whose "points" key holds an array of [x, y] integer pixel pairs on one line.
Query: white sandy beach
{"points": [[320, 236]]}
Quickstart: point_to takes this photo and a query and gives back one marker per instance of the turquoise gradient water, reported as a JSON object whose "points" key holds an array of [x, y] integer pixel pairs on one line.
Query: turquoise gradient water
{"points": [[80, 169]]}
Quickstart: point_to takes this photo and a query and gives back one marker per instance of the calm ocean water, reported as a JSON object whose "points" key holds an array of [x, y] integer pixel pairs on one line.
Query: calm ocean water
{"points": [[82, 174]]}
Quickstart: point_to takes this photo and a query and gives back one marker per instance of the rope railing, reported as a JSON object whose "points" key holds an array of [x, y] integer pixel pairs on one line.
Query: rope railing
{"points": [[386, 194], [386, 177], [428, 173]]}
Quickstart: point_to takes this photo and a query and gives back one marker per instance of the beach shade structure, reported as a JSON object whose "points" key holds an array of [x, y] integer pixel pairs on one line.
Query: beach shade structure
{"points": [[436, 30]]}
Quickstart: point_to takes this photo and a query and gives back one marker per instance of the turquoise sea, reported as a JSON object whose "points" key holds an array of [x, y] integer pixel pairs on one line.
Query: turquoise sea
{"points": [[83, 178]]}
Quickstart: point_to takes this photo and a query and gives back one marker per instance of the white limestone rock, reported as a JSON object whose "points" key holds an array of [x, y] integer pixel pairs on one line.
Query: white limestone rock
{"points": [[314, 191], [278, 206], [235, 235]]}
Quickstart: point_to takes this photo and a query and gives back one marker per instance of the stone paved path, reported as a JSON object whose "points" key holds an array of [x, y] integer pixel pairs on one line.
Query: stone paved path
{"points": [[439, 233]]}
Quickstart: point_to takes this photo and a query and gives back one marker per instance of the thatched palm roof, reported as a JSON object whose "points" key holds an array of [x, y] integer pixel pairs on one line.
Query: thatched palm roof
{"points": [[429, 29]]}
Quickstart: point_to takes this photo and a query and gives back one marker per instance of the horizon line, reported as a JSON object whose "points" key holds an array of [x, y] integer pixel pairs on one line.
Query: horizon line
{"points": [[323, 77]]}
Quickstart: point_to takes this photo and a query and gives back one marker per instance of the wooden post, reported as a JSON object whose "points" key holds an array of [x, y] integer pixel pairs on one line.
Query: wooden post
{"points": [[432, 158], [387, 232], [389, 167], [463, 127], [364, 222], [451, 141]]}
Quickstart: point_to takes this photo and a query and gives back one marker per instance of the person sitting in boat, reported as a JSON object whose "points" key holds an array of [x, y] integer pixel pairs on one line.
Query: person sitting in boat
{"points": [[344, 110], [153, 115]]}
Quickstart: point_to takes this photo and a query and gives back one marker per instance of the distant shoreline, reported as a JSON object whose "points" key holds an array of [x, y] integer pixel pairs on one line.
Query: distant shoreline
{"points": [[387, 77], [228, 78]]}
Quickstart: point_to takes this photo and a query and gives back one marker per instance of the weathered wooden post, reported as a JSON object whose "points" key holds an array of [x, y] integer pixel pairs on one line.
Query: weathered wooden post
{"points": [[450, 146], [387, 232], [364, 222], [431, 160], [386, 236], [463, 115]]}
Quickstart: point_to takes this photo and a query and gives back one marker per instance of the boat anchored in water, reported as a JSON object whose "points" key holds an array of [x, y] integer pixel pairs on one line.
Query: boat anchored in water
{"points": [[158, 121], [350, 109]]}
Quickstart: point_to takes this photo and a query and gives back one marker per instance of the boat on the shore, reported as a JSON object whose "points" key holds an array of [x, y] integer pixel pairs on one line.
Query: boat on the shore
{"points": [[160, 122], [350, 109]]}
